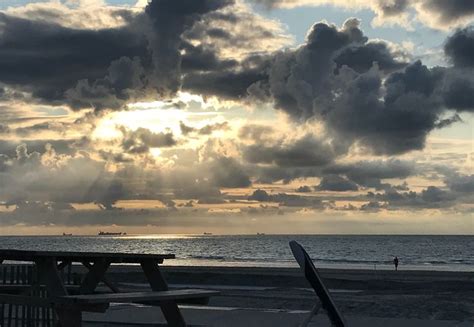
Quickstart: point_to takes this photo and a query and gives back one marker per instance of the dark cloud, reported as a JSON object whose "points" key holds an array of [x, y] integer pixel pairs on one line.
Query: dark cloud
{"points": [[393, 7], [458, 91], [61, 146], [460, 46], [303, 189], [358, 88], [4, 129], [67, 179], [336, 183], [104, 68], [33, 130], [170, 19], [228, 84], [362, 57], [47, 59], [373, 206], [227, 172], [441, 12], [107, 195], [431, 197], [200, 190], [449, 11], [142, 139], [125, 81], [355, 86], [305, 152], [202, 58], [359, 105], [433, 194], [256, 133], [449, 121], [286, 174], [395, 124], [461, 183], [287, 200], [371, 173], [206, 130], [459, 81], [115, 157]]}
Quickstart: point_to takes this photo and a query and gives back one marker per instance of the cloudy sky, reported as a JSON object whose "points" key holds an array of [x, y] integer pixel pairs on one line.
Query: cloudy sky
{"points": [[237, 116]]}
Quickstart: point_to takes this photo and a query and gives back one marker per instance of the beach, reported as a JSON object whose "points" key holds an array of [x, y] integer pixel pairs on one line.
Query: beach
{"points": [[427, 295]]}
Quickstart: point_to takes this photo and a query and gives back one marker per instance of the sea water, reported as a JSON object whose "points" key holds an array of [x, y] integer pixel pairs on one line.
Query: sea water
{"points": [[420, 252]]}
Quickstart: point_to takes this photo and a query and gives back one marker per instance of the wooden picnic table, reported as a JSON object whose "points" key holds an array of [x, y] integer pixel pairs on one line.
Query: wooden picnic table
{"points": [[50, 263]]}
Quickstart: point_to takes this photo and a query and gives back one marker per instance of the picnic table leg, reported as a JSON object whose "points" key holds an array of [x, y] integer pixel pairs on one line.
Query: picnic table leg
{"points": [[69, 316], [49, 275], [158, 283], [94, 276], [104, 279]]}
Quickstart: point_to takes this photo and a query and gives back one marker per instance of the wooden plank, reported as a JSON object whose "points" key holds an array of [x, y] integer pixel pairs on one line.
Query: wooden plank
{"points": [[63, 264], [157, 282], [21, 255], [154, 276], [27, 300], [134, 297], [104, 279], [69, 316], [48, 275], [94, 276], [17, 289]]}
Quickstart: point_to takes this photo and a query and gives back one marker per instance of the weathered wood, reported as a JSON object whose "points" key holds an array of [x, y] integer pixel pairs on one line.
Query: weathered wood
{"points": [[157, 282], [104, 279], [49, 276], [154, 276], [21, 255], [26, 300], [23, 289], [134, 297], [69, 316], [94, 276], [64, 264]]}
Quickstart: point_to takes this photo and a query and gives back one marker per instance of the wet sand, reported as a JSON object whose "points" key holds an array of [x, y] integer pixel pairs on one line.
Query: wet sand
{"points": [[390, 294]]}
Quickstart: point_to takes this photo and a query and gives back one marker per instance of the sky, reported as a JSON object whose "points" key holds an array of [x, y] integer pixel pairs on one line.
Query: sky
{"points": [[237, 116]]}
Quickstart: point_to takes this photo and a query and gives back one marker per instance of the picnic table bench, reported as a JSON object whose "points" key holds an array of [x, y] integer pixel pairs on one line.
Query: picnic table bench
{"points": [[69, 307]]}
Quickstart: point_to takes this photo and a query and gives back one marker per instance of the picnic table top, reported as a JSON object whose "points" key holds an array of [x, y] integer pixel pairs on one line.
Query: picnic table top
{"points": [[24, 255]]}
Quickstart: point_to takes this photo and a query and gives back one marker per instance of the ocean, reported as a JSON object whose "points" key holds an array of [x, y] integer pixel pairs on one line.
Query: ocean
{"points": [[421, 252]]}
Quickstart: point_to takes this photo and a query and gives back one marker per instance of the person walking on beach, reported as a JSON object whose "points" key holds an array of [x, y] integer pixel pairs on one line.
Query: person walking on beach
{"points": [[395, 262]]}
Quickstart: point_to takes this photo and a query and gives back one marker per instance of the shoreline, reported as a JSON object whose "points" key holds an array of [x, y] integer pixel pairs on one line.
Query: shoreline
{"points": [[348, 279], [390, 294], [190, 262], [428, 295], [382, 268]]}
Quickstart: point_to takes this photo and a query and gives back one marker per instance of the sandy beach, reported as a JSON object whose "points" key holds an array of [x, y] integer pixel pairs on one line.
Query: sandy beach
{"points": [[429, 295]]}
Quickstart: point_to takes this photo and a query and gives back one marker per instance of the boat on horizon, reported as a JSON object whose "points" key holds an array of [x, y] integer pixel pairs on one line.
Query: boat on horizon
{"points": [[260, 234], [101, 233], [67, 234], [206, 233]]}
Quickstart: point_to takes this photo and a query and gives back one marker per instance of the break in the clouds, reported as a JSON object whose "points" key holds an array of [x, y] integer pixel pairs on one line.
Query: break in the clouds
{"points": [[208, 106], [437, 14]]}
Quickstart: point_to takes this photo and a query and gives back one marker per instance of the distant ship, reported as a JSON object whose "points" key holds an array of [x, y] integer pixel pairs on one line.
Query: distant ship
{"points": [[260, 234], [67, 234], [206, 233], [111, 234]]}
